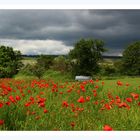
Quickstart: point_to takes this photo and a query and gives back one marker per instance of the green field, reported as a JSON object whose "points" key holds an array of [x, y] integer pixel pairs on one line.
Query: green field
{"points": [[60, 103], [28, 60]]}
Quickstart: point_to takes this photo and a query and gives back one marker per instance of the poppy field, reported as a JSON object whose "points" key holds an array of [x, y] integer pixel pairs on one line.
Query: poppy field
{"points": [[52, 105]]}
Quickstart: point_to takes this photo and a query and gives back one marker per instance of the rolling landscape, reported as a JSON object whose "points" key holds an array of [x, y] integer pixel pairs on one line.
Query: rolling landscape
{"points": [[41, 56]]}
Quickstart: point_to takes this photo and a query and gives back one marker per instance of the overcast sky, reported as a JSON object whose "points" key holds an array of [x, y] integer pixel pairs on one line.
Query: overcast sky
{"points": [[56, 31]]}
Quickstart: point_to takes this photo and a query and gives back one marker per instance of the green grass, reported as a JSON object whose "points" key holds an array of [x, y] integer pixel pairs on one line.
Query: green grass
{"points": [[49, 74], [85, 116]]}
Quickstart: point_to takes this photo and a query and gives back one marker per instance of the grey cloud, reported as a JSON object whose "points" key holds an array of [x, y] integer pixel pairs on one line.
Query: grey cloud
{"points": [[117, 28]]}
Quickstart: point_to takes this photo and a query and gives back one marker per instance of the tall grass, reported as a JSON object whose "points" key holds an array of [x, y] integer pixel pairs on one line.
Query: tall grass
{"points": [[62, 111]]}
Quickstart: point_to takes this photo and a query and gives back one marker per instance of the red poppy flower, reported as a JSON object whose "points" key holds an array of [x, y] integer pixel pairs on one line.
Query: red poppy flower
{"points": [[102, 101], [95, 94], [135, 96], [81, 99], [69, 90], [81, 109], [129, 99], [96, 102], [29, 91], [83, 89], [33, 113], [42, 104], [72, 105], [107, 128], [103, 83], [60, 92], [1, 105], [1, 122], [7, 103], [127, 84], [94, 90], [45, 111], [88, 98], [11, 98], [97, 80], [112, 101], [9, 88], [72, 124], [122, 105], [117, 97], [41, 100], [18, 98], [118, 101], [119, 83], [31, 98], [91, 81], [27, 104], [23, 94], [107, 106], [96, 86], [65, 104]]}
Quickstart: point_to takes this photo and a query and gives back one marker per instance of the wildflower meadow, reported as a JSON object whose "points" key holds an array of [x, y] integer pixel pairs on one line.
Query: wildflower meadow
{"points": [[86, 105]]}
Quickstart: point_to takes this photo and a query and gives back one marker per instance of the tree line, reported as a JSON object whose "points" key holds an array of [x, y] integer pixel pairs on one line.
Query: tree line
{"points": [[83, 59]]}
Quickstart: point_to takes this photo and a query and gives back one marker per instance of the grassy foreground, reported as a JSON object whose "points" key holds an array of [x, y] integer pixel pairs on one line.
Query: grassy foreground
{"points": [[57, 105]]}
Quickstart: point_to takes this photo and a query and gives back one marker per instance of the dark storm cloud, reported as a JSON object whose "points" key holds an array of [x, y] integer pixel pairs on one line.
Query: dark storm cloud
{"points": [[117, 28]]}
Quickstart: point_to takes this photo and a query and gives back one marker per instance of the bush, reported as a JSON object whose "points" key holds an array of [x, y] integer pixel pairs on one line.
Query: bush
{"points": [[107, 70], [131, 59], [10, 62], [61, 64], [45, 61], [119, 67], [37, 70], [27, 70]]}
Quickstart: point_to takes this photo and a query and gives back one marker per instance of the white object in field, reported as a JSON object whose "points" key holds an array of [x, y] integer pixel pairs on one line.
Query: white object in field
{"points": [[82, 78]]}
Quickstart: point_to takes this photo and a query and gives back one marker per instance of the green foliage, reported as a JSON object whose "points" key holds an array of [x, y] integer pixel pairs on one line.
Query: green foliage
{"points": [[85, 55], [37, 70], [131, 59], [33, 70], [90, 115], [107, 70], [27, 70], [57, 76], [118, 67], [45, 61], [61, 64], [10, 61]]}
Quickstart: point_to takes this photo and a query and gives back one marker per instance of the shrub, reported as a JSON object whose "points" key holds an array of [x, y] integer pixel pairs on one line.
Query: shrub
{"points": [[45, 61], [131, 59], [61, 64], [107, 70], [10, 62]]}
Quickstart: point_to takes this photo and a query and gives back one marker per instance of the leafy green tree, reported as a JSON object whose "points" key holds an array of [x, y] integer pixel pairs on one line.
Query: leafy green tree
{"points": [[45, 61], [62, 64], [85, 56], [10, 61], [118, 64], [37, 70], [131, 59], [107, 70]]}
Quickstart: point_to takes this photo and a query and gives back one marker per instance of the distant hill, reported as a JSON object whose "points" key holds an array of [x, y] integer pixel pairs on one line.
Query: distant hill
{"points": [[112, 57], [107, 57], [34, 56]]}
